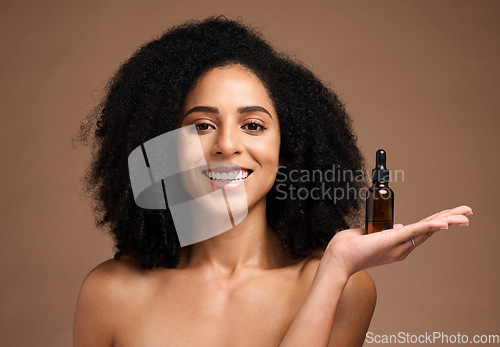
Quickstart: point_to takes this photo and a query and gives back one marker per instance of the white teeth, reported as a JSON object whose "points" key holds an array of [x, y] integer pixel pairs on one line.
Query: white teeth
{"points": [[228, 176]]}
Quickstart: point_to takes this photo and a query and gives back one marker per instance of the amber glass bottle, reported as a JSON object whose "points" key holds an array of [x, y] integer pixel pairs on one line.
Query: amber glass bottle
{"points": [[379, 198]]}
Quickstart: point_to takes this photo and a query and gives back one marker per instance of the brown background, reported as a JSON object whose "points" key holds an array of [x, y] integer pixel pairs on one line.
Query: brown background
{"points": [[420, 79]]}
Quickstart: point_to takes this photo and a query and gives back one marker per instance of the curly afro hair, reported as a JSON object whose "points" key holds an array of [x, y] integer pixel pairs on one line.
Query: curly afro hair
{"points": [[144, 99]]}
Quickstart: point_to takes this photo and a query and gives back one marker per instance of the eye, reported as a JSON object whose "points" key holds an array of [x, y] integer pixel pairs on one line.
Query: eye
{"points": [[254, 127], [203, 127]]}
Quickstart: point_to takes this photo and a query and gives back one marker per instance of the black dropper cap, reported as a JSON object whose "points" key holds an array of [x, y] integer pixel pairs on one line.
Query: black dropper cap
{"points": [[380, 173]]}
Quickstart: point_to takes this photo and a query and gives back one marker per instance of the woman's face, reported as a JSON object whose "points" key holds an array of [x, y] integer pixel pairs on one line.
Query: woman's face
{"points": [[238, 130]]}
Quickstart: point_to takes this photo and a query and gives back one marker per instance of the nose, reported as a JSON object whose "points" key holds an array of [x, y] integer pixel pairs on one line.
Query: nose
{"points": [[227, 142]]}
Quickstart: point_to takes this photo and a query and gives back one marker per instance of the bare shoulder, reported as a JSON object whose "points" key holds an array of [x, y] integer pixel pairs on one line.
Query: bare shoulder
{"points": [[112, 280], [124, 271], [354, 311], [361, 289], [106, 291]]}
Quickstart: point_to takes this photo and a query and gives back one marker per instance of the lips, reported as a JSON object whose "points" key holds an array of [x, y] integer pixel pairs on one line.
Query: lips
{"points": [[227, 174]]}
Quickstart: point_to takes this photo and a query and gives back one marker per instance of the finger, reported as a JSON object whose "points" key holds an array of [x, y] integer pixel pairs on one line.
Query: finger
{"points": [[405, 248], [413, 230], [463, 210], [454, 219], [440, 213], [422, 238], [408, 246], [397, 226], [418, 239]]}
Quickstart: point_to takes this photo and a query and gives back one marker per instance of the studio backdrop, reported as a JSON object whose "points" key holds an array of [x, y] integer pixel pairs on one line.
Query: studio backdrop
{"points": [[419, 79]]}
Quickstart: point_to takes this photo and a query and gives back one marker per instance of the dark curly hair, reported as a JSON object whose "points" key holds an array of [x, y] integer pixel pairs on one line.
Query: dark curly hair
{"points": [[144, 99]]}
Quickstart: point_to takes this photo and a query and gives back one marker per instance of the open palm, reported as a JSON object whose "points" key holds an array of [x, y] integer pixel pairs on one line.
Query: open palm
{"points": [[356, 251]]}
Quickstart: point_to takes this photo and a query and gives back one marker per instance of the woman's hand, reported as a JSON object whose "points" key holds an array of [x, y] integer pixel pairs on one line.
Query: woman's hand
{"points": [[355, 251], [348, 252]]}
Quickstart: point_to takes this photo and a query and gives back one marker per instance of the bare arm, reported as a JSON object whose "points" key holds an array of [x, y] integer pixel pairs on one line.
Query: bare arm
{"points": [[349, 252], [354, 311]]}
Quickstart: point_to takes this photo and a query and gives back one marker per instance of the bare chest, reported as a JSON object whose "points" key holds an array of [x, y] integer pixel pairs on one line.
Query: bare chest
{"points": [[201, 313]]}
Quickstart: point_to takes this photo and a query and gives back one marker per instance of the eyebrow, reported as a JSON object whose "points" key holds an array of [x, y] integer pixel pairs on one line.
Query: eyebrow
{"points": [[241, 110]]}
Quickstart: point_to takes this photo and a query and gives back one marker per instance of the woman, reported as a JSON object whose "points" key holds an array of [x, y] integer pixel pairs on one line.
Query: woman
{"points": [[290, 272]]}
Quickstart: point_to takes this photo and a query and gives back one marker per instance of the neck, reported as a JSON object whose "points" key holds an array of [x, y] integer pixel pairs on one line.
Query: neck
{"points": [[250, 244]]}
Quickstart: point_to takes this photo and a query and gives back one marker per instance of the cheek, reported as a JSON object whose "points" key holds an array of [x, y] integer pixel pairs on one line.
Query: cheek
{"points": [[207, 143], [268, 152], [274, 149]]}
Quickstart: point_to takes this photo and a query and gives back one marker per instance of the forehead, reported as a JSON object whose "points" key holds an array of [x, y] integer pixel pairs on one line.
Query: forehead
{"points": [[234, 83]]}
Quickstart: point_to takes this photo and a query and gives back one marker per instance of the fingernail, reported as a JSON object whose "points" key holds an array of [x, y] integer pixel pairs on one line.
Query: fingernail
{"points": [[469, 213], [464, 224], [446, 227]]}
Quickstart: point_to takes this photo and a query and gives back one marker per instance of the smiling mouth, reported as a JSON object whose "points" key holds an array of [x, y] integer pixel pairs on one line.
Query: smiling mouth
{"points": [[218, 175]]}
